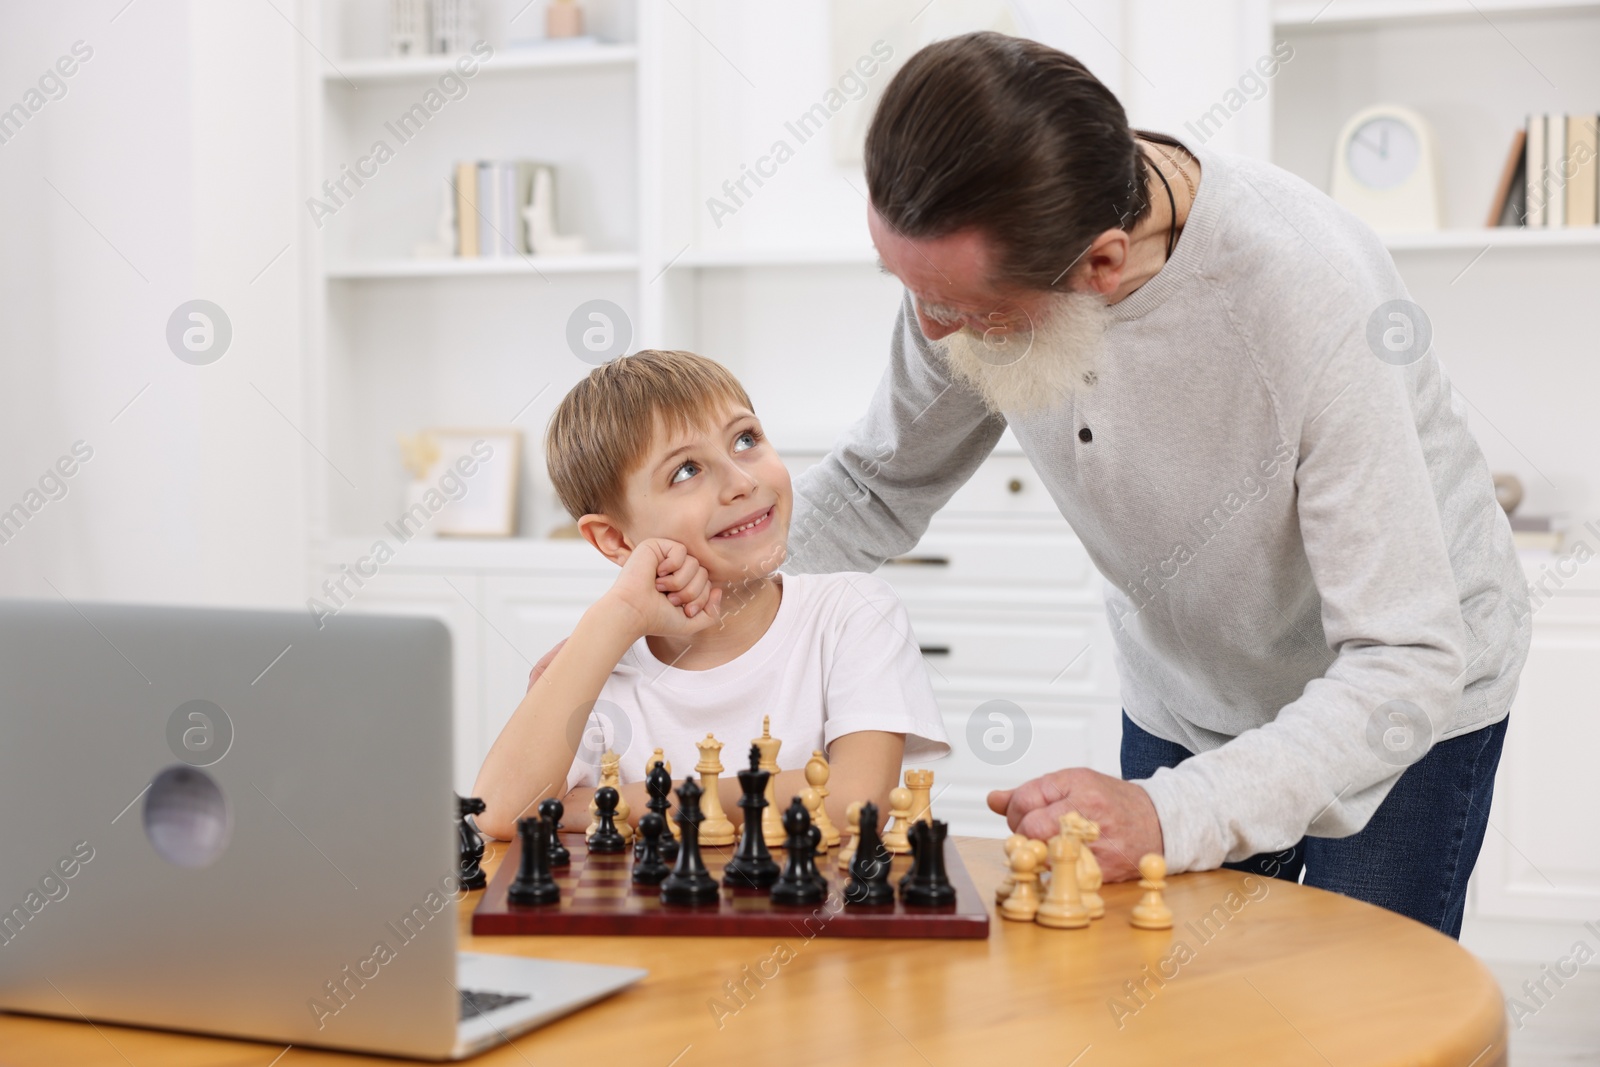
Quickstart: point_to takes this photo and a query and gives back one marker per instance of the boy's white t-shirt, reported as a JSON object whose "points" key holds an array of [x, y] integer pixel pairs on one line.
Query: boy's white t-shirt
{"points": [[839, 657]]}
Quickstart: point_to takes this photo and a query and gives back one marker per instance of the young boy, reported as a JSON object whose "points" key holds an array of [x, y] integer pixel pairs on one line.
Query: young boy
{"points": [[663, 460]]}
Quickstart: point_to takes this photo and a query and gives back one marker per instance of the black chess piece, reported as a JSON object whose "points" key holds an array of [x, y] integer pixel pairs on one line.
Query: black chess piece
{"points": [[929, 886], [869, 869], [658, 783], [534, 883], [648, 869], [913, 838], [752, 865], [800, 882], [814, 837], [690, 882], [553, 810], [470, 842], [606, 839]]}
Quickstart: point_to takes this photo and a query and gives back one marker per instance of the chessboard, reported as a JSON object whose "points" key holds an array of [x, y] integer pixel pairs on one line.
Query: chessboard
{"points": [[598, 897]]}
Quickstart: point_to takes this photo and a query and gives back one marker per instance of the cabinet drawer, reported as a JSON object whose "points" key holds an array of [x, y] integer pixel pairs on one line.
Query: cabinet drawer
{"points": [[1036, 562], [1005, 485], [1066, 656]]}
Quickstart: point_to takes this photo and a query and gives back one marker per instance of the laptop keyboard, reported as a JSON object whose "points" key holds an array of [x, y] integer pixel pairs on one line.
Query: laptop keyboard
{"points": [[476, 1002]]}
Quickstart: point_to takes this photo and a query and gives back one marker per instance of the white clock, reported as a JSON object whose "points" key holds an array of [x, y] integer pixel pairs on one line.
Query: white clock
{"points": [[1384, 172]]}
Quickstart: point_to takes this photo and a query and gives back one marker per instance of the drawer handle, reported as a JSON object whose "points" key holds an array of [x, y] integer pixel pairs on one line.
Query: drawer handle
{"points": [[934, 650], [1015, 485], [919, 561]]}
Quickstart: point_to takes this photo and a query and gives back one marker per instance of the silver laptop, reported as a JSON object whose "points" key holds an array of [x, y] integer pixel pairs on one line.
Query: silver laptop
{"points": [[242, 823]]}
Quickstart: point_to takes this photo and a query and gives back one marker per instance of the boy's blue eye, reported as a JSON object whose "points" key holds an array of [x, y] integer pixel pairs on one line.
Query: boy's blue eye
{"points": [[755, 439]]}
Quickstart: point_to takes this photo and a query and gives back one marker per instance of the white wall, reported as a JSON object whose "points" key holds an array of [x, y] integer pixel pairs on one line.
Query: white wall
{"points": [[165, 173]]}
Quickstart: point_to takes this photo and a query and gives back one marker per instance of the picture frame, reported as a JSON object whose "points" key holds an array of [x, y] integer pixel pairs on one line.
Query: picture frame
{"points": [[477, 473]]}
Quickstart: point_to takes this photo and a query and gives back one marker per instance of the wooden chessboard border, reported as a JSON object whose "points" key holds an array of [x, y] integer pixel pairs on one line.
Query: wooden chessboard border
{"points": [[739, 912]]}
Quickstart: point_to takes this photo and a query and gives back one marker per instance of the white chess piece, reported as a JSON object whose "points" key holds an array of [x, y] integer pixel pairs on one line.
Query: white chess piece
{"points": [[540, 215]]}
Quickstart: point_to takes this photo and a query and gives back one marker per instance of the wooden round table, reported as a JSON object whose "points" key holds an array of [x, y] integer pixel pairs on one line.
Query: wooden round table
{"points": [[1254, 972]]}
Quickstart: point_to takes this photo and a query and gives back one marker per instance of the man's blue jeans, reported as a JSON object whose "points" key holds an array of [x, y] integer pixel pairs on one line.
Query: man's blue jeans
{"points": [[1415, 854]]}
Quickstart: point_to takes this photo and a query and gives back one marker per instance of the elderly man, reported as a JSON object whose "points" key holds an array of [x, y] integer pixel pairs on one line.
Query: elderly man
{"points": [[1318, 611]]}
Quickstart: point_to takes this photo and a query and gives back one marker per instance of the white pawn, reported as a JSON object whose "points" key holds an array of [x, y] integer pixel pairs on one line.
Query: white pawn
{"points": [[1152, 913], [817, 772], [1063, 906], [852, 818], [1003, 890], [1022, 904], [895, 838]]}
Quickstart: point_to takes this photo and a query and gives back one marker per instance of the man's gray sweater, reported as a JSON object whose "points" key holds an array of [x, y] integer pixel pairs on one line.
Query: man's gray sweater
{"points": [[1308, 579]]}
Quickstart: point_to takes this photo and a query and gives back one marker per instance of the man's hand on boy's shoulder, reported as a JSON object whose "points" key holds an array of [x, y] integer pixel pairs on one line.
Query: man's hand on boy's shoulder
{"points": [[544, 661], [665, 591]]}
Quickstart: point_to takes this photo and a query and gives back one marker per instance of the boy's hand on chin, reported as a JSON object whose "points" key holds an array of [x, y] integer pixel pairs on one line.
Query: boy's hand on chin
{"points": [[667, 589]]}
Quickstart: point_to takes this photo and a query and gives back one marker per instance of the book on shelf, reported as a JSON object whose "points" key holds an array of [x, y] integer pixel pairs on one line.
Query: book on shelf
{"points": [[491, 196], [1511, 195], [1548, 180], [1582, 144]]}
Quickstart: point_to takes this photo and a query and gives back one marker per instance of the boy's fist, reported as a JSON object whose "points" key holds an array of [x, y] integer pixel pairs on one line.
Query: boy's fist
{"points": [[668, 591]]}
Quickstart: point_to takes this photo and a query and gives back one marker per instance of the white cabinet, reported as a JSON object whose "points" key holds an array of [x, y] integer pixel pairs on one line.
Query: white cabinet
{"points": [[526, 616], [1541, 856], [1007, 610], [454, 600]]}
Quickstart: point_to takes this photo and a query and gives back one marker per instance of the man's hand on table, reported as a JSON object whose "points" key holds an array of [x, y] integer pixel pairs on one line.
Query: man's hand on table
{"points": [[1129, 827]]}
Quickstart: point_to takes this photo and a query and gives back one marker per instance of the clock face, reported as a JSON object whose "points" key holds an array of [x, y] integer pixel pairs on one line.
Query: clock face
{"points": [[1383, 152]]}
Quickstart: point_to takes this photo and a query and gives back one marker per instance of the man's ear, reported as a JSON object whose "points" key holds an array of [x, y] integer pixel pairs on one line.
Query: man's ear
{"points": [[605, 535], [1105, 261]]}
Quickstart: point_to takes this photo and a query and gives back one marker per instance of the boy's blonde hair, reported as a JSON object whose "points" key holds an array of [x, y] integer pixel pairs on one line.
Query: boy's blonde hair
{"points": [[603, 429]]}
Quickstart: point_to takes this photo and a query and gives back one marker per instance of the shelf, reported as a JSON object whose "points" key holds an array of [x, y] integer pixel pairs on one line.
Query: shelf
{"points": [[590, 263], [570, 556], [777, 257], [554, 57], [1342, 14], [1497, 237]]}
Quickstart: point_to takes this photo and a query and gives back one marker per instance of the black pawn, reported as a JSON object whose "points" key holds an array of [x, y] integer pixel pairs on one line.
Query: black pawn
{"points": [[658, 783], [553, 810], [814, 836], [800, 882], [869, 869], [606, 839], [470, 842], [690, 882], [930, 885], [534, 884], [648, 869], [752, 864]]}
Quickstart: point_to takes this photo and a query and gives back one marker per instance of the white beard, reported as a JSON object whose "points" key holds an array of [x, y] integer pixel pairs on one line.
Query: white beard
{"points": [[1032, 370]]}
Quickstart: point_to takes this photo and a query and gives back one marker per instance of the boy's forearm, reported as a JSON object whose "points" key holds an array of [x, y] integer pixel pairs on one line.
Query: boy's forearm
{"points": [[530, 759]]}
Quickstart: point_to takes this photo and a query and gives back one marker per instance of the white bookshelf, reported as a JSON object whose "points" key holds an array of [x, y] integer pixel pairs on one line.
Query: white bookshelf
{"points": [[794, 256], [612, 263], [1493, 237], [371, 70], [1303, 14]]}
